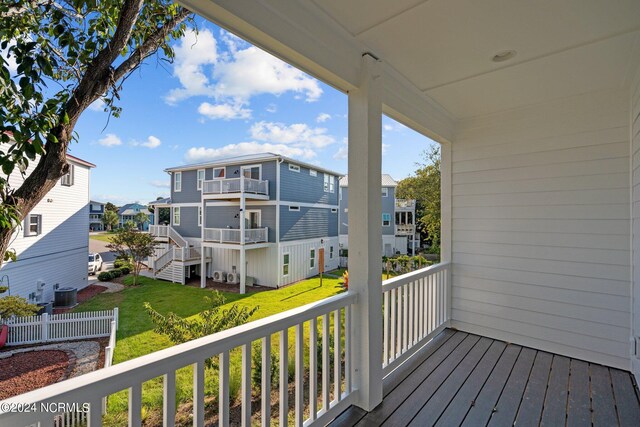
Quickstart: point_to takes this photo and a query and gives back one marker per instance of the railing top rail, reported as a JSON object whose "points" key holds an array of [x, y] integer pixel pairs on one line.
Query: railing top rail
{"points": [[403, 279], [121, 376]]}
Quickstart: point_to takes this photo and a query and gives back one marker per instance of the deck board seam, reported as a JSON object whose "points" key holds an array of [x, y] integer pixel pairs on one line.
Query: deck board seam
{"points": [[503, 387]]}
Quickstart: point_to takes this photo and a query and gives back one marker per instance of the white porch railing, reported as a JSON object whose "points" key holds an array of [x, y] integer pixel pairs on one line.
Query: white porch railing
{"points": [[234, 185], [161, 262], [185, 254], [93, 387], [232, 235], [59, 327], [168, 231], [405, 204], [416, 308]]}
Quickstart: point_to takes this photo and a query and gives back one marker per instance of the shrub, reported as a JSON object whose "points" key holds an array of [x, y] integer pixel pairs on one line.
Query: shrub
{"points": [[105, 276], [256, 372], [121, 262], [125, 270], [116, 273]]}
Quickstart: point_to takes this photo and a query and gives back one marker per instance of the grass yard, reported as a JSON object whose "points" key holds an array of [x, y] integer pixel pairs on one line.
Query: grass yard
{"points": [[136, 336], [103, 237]]}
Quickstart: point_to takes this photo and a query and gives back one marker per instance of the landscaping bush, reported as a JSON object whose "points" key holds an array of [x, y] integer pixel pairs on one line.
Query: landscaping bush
{"points": [[125, 270], [105, 276], [121, 262], [256, 372], [116, 273]]}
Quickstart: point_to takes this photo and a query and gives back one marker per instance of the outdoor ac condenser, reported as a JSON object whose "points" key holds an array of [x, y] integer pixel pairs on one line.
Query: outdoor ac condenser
{"points": [[219, 276], [233, 278]]}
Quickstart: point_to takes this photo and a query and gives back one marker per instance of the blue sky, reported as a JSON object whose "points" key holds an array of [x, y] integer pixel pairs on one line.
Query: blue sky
{"points": [[221, 97]]}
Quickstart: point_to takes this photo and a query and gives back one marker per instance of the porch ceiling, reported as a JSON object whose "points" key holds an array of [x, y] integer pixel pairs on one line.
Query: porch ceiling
{"points": [[445, 47]]}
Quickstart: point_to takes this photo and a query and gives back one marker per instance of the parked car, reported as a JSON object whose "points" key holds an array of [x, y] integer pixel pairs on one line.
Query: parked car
{"points": [[95, 263]]}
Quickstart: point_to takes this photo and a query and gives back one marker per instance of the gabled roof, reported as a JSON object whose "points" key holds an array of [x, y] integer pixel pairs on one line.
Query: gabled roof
{"points": [[129, 209], [165, 201], [387, 181], [248, 159]]}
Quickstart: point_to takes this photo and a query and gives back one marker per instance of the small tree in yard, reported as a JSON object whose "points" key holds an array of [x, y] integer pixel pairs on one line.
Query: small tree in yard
{"points": [[134, 244], [110, 219], [15, 306], [140, 218], [180, 330]]}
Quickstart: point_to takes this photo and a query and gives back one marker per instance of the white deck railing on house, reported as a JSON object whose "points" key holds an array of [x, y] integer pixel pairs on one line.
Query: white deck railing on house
{"points": [[168, 231], [405, 204], [185, 254], [416, 307], [232, 235], [59, 327], [334, 393], [235, 185]]}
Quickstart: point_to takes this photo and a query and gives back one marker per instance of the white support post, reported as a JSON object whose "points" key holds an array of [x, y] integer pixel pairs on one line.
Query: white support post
{"points": [[243, 263], [203, 255], [445, 220], [365, 233]]}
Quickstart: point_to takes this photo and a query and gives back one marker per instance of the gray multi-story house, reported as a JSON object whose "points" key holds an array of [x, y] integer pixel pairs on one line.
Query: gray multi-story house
{"points": [[398, 219], [259, 219], [96, 212]]}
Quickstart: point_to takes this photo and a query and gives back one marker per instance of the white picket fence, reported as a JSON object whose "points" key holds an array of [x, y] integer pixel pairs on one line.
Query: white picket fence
{"points": [[60, 327]]}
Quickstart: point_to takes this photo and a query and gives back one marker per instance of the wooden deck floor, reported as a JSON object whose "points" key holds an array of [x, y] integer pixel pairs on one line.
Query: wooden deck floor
{"points": [[469, 380]]}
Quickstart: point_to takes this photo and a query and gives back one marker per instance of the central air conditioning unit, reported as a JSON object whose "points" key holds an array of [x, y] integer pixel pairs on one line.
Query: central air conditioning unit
{"points": [[219, 276], [233, 278]]}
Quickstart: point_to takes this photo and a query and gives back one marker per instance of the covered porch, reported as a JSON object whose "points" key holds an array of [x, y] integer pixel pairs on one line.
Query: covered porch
{"points": [[536, 106]]}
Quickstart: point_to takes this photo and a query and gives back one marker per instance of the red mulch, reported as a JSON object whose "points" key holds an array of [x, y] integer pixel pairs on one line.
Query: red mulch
{"points": [[83, 295], [24, 372]]}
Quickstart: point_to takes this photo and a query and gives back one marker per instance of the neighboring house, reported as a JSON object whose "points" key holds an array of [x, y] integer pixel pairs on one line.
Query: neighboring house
{"points": [[398, 219], [96, 212], [129, 211], [52, 243], [265, 217]]}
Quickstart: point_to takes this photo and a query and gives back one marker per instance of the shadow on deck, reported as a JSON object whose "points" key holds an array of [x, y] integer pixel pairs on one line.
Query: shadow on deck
{"points": [[465, 379]]}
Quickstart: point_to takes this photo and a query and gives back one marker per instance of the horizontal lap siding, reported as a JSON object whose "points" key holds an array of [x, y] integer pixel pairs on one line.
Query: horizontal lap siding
{"points": [[540, 227], [261, 263], [634, 118]]}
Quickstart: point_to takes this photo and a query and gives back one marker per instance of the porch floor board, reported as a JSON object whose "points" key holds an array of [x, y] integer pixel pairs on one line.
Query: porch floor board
{"points": [[465, 379]]}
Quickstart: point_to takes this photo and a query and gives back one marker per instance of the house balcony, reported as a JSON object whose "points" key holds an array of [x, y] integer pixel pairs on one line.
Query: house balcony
{"points": [[233, 235], [405, 229], [405, 205], [233, 188]]}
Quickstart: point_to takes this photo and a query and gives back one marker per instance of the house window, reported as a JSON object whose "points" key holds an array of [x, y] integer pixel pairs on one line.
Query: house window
{"points": [[177, 181], [329, 183], [334, 210], [200, 179], [285, 264], [385, 192], [386, 220], [67, 180], [218, 173], [176, 216], [312, 259], [330, 252], [294, 168], [294, 208], [33, 225], [199, 215], [313, 173]]}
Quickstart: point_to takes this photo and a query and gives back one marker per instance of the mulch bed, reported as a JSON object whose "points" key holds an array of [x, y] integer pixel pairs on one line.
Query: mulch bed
{"points": [[83, 295], [25, 372]]}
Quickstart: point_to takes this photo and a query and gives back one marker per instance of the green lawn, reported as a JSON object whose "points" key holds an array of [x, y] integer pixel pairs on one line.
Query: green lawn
{"points": [[136, 336], [104, 237]]}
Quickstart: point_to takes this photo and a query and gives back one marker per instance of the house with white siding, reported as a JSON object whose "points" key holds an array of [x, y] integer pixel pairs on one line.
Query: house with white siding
{"points": [[398, 219], [52, 243], [532, 316], [258, 219]]}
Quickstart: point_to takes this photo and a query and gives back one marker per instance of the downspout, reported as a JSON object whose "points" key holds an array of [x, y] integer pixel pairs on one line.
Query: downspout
{"points": [[278, 264]]}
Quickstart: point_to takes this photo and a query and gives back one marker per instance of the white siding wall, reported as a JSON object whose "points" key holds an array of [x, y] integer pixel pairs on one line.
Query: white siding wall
{"points": [[261, 263], [59, 254], [635, 159], [540, 227], [299, 261]]}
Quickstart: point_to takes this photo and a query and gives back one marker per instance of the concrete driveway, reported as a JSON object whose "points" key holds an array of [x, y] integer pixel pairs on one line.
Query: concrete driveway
{"points": [[100, 247]]}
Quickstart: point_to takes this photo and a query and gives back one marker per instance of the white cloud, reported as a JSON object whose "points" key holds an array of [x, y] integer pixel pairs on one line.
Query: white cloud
{"points": [[11, 63], [272, 108], [297, 134], [160, 184], [97, 105], [343, 151], [387, 127], [192, 53], [201, 154], [323, 117], [116, 199], [234, 75], [224, 111], [110, 140], [151, 142]]}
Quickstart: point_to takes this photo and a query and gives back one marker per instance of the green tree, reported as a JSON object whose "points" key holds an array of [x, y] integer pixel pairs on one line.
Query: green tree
{"points": [[109, 219], [180, 330], [69, 54], [111, 207], [424, 187], [130, 243], [140, 218], [13, 305]]}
